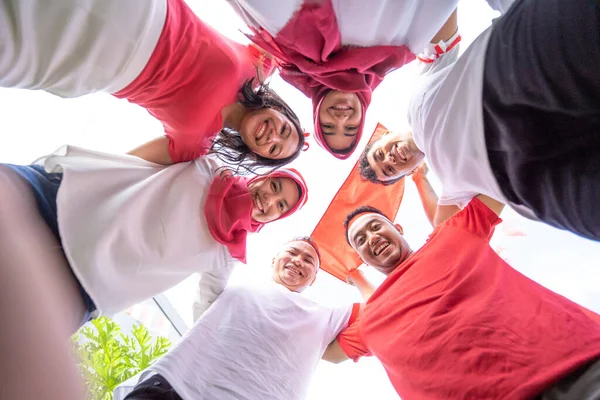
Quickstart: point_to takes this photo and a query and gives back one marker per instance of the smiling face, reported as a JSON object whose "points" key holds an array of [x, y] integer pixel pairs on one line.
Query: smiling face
{"points": [[378, 242], [272, 198], [394, 155], [296, 266], [269, 133], [340, 116]]}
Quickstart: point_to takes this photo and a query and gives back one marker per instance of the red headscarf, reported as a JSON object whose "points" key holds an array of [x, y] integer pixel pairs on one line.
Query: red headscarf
{"points": [[313, 60], [228, 208]]}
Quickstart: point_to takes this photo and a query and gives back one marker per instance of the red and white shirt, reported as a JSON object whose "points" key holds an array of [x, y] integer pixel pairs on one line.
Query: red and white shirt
{"points": [[192, 74], [361, 23], [455, 321]]}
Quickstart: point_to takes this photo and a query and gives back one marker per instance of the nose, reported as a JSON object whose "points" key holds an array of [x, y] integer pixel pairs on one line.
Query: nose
{"points": [[341, 115], [391, 158], [373, 238], [267, 199]]}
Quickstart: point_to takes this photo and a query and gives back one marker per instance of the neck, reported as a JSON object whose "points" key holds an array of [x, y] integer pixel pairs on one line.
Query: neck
{"points": [[232, 115]]}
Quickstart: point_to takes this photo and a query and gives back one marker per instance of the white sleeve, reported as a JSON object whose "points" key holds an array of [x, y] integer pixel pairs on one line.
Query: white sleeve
{"points": [[210, 286], [438, 56], [340, 319], [456, 199], [500, 5], [270, 15]]}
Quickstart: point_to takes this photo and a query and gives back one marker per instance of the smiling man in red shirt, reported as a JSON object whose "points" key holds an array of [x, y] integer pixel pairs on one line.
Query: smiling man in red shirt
{"points": [[453, 320]]}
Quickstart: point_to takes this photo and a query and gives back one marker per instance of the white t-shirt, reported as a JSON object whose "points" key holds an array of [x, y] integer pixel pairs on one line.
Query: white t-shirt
{"points": [[75, 47], [446, 117], [362, 23], [255, 342], [132, 229]]}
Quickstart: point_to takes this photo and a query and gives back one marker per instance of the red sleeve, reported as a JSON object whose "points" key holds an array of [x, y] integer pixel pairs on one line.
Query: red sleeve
{"points": [[476, 218], [350, 340], [180, 151], [356, 312]]}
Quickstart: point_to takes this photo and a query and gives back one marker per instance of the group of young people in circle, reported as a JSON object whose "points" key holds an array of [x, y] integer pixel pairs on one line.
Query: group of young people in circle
{"points": [[87, 233]]}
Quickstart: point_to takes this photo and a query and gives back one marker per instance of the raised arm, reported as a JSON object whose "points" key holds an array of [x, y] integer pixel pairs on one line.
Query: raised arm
{"points": [[448, 30], [358, 280], [436, 214], [210, 286], [156, 151]]}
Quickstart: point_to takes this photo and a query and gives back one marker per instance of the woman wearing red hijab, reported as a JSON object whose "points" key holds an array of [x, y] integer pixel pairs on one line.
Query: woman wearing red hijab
{"points": [[202, 86], [116, 229], [338, 52]]}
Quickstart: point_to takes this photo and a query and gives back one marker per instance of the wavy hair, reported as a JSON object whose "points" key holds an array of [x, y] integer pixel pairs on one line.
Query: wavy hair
{"points": [[231, 149]]}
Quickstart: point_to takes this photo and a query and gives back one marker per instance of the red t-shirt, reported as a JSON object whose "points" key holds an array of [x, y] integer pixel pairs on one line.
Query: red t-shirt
{"points": [[455, 321], [192, 74]]}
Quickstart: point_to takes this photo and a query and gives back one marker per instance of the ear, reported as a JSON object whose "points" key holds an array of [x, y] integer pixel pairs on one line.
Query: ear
{"points": [[273, 262], [399, 228]]}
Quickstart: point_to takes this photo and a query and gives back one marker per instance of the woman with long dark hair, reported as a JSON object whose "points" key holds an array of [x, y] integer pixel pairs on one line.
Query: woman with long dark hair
{"points": [[158, 54]]}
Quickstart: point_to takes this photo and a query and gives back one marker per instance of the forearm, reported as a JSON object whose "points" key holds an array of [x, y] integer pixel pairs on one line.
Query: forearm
{"points": [[448, 30], [365, 287], [155, 151], [429, 198]]}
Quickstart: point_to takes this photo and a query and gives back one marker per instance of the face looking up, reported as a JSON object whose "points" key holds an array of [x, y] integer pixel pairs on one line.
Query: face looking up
{"points": [[378, 242], [269, 133], [272, 198], [340, 116], [394, 155], [296, 266]]}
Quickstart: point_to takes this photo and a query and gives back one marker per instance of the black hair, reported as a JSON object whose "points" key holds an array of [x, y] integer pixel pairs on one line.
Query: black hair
{"points": [[229, 146], [365, 170], [310, 241], [358, 211]]}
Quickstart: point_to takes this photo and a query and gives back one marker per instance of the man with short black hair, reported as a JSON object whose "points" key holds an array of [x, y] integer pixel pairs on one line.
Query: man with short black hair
{"points": [[453, 320], [254, 342]]}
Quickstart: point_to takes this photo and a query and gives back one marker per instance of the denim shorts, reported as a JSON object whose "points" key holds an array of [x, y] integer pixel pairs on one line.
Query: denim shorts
{"points": [[45, 188]]}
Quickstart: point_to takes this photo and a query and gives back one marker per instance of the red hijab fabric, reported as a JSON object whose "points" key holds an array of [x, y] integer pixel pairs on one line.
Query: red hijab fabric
{"points": [[312, 59], [228, 208]]}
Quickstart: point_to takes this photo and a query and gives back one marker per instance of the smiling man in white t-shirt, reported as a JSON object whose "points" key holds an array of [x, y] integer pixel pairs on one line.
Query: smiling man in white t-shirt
{"points": [[254, 342]]}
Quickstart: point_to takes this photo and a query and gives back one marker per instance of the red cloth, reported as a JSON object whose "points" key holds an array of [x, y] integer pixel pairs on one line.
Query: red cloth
{"points": [[228, 208], [192, 74], [312, 59], [455, 321], [337, 257]]}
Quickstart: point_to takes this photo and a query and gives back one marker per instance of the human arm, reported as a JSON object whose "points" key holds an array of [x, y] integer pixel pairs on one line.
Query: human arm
{"points": [[448, 30], [156, 151], [358, 280], [436, 214], [443, 49], [210, 286], [334, 353]]}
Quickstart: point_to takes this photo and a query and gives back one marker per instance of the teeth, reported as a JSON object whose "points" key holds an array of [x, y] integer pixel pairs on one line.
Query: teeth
{"points": [[261, 131], [294, 269], [342, 108], [381, 248], [259, 203]]}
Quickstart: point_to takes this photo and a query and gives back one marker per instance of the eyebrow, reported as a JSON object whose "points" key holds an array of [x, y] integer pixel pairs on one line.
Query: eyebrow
{"points": [[383, 171], [349, 134]]}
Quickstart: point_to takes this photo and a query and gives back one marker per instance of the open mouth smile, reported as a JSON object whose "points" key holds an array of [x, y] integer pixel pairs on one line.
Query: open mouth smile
{"points": [[294, 270], [399, 153], [258, 203], [380, 248], [261, 130]]}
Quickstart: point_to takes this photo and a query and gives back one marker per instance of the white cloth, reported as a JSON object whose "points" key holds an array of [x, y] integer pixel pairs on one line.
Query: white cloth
{"points": [[362, 23], [254, 342], [445, 113], [75, 47], [132, 229]]}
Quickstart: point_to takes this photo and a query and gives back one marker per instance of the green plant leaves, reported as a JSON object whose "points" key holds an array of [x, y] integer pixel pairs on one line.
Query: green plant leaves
{"points": [[109, 357]]}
